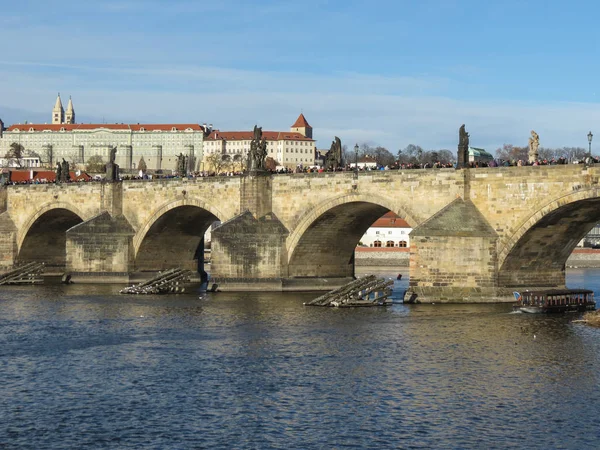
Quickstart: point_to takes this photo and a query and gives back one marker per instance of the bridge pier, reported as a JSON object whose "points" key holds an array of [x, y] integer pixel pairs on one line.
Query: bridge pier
{"points": [[101, 246], [8, 241], [453, 258]]}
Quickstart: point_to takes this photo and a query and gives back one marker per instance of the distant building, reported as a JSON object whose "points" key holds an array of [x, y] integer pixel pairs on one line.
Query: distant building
{"points": [[365, 162], [288, 148], [479, 155], [158, 144], [389, 230]]}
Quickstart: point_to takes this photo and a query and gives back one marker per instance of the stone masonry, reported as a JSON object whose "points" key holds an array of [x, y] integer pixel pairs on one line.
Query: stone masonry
{"points": [[478, 233]]}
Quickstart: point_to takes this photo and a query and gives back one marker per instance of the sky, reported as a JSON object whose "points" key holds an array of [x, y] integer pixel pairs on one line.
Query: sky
{"points": [[379, 72]]}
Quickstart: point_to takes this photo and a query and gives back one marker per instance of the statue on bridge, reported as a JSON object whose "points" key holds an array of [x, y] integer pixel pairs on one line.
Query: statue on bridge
{"points": [[182, 163], [534, 143], [258, 152], [65, 176], [58, 177], [333, 158], [463, 148], [112, 169]]}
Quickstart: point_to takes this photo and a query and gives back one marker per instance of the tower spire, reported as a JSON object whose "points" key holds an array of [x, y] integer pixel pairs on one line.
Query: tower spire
{"points": [[70, 115], [58, 113]]}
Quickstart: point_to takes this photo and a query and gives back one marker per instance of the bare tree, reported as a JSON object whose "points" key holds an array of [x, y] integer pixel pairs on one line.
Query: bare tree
{"points": [[15, 154], [216, 162]]}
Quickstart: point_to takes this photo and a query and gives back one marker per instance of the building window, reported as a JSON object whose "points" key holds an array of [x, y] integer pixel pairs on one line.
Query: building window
{"points": [[402, 244], [389, 244], [377, 244]]}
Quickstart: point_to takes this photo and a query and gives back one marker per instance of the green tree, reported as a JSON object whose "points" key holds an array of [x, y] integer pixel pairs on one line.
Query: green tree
{"points": [[142, 165], [95, 164]]}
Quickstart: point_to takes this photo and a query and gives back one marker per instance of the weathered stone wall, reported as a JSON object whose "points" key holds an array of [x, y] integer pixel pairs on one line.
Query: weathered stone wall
{"points": [[388, 257], [102, 244], [145, 201], [249, 250], [26, 203]]}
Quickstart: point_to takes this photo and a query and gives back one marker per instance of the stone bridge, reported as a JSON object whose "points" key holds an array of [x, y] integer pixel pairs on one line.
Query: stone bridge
{"points": [[477, 233]]}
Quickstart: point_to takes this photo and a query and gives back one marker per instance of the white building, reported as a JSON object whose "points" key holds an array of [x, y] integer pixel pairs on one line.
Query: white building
{"points": [[288, 148], [366, 162], [387, 231], [158, 144]]}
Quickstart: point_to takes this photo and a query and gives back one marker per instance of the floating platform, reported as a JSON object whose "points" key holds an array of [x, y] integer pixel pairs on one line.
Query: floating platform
{"points": [[29, 273], [362, 292], [168, 282]]}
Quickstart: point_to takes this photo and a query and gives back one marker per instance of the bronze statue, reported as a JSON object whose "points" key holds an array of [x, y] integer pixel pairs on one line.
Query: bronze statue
{"points": [[333, 158], [463, 148], [58, 172]]}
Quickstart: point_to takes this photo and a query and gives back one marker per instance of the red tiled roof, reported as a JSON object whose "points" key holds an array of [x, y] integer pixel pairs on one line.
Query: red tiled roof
{"points": [[217, 135], [25, 175], [391, 220], [300, 122], [109, 126]]}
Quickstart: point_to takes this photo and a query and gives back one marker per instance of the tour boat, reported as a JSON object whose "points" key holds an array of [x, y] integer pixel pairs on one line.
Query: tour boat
{"points": [[555, 300]]}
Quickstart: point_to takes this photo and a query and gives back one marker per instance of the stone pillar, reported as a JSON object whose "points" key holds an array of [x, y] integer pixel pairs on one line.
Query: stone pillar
{"points": [[102, 245], [249, 253], [158, 161], [128, 157], [47, 149], [81, 154], [112, 197], [453, 257], [191, 161], [8, 240], [256, 194]]}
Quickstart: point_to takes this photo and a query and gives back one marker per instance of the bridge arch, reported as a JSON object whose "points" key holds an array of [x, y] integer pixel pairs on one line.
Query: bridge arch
{"points": [[536, 253], [322, 243], [174, 234], [43, 235]]}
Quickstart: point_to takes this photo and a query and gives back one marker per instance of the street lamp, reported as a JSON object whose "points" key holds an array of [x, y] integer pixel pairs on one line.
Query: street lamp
{"points": [[590, 136], [356, 161]]}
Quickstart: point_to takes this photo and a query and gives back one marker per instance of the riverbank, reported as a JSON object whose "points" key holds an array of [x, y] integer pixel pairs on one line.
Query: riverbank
{"points": [[400, 257]]}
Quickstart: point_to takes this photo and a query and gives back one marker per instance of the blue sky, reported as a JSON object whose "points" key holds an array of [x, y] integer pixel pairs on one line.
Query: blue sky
{"points": [[386, 73]]}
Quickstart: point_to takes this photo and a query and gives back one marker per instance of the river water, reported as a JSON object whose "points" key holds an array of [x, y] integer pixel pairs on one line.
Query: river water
{"points": [[82, 367]]}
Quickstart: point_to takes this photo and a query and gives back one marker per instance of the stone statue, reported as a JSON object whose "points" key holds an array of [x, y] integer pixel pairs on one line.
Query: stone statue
{"points": [[112, 169], [182, 162], [463, 148], [534, 143], [258, 152], [64, 171], [333, 158], [58, 172]]}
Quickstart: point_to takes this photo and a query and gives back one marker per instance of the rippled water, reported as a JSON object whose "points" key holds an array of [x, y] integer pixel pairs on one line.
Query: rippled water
{"points": [[81, 367]]}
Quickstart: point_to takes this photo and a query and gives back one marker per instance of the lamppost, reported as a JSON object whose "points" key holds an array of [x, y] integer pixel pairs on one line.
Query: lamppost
{"points": [[590, 136], [356, 161]]}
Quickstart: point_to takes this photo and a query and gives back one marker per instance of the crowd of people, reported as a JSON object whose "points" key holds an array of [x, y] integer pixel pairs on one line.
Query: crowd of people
{"points": [[310, 169]]}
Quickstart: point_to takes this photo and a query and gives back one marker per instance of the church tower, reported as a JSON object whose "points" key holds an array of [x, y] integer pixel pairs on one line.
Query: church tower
{"points": [[58, 112], [70, 116], [301, 126]]}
